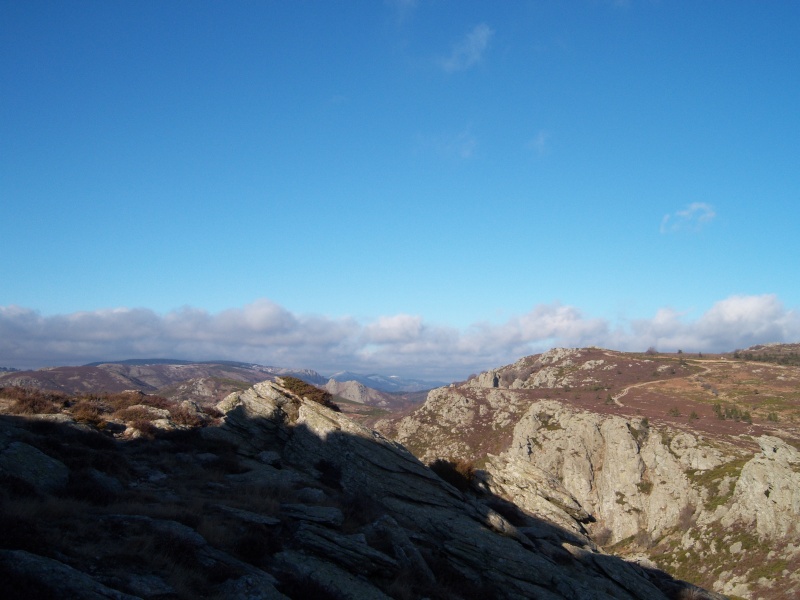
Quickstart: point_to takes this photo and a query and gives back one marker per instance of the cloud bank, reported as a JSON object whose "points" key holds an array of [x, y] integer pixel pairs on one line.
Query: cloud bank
{"points": [[266, 333]]}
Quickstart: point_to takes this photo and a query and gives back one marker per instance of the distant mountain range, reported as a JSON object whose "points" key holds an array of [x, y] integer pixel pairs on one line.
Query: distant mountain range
{"points": [[391, 384], [208, 382]]}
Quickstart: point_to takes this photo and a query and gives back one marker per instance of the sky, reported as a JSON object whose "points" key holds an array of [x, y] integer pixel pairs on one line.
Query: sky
{"points": [[425, 188]]}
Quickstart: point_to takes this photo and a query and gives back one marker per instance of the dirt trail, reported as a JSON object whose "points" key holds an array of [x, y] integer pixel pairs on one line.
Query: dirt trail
{"points": [[705, 371]]}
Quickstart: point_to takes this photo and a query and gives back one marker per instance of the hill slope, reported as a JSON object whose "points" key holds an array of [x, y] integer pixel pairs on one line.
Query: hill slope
{"points": [[685, 460]]}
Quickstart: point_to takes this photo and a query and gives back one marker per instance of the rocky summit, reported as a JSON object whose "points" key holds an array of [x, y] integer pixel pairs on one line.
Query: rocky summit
{"points": [[274, 495]]}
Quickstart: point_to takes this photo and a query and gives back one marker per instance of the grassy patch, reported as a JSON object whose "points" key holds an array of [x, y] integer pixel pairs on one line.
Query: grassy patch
{"points": [[713, 478]]}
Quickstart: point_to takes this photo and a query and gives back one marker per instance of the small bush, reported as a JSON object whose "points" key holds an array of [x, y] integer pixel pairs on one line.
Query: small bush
{"points": [[457, 472], [30, 401], [185, 416], [309, 392], [146, 428], [122, 400], [88, 411], [134, 413], [33, 405]]}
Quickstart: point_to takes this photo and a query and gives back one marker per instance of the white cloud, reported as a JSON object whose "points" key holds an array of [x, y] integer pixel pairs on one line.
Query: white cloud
{"points": [[266, 333], [398, 328], [691, 218], [469, 51]]}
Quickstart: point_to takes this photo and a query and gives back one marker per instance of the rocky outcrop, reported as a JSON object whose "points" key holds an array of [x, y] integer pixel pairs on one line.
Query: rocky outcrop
{"points": [[358, 392], [561, 439], [34, 467], [628, 478], [767, 492]]}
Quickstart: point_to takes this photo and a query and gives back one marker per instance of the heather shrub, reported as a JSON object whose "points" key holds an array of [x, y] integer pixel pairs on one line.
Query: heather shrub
{"points": [[134, 413], [122, 400], [33, 405], [309, 392], [212, 412], [146, 428], [156, 401], [457, 472], [182, 415], [89, 410], [30, 401]]}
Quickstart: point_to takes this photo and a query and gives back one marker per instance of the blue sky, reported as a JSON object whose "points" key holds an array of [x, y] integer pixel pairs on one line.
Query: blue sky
{"points": [[424, 188]]}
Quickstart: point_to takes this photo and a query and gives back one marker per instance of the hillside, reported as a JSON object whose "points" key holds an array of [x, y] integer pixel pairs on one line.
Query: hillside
{"points": [[689, 461], [268, 495]]}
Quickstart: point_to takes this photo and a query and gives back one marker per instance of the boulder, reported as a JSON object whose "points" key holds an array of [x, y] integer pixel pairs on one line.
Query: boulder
{"points": [[34, 467]]}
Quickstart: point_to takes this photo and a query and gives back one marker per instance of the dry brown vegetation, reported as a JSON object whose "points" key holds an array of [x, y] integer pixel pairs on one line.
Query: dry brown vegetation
{"points": [[456, 471], [114, 412], [309, 392]]}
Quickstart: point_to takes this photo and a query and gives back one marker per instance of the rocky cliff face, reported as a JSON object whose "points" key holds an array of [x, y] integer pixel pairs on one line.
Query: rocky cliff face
{"points": [[557, 436], [358, 392], [281, 497]]}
